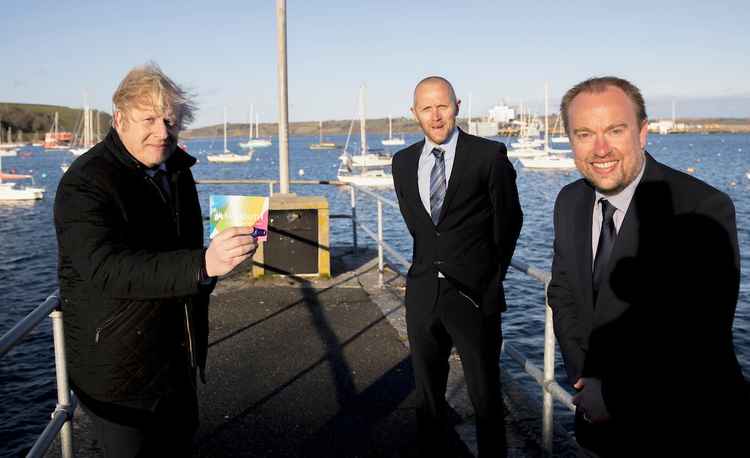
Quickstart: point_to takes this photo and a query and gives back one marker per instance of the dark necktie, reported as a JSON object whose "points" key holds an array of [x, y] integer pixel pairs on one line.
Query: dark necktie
{"points": [[162, 180], [437, 185], [607, 238]]}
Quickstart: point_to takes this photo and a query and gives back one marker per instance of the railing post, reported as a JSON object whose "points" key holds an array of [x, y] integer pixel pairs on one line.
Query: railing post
{"points": [[549, 376], [63, 390], [380, 243], [270, 189], [354, 217]]}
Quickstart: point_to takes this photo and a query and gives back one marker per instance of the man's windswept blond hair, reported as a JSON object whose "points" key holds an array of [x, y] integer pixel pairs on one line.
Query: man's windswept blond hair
{"points": [[147, 85]]}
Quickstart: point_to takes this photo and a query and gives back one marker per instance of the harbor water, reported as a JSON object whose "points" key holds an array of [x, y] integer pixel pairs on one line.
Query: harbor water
{"points": [[28, 250]]}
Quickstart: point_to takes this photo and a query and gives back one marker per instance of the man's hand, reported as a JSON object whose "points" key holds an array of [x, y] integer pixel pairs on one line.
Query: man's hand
{"points": [[590, 401], [228, 249]]}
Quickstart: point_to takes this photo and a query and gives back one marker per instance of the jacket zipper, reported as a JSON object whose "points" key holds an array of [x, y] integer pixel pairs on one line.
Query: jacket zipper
{"points": [[467, 297], [107, 323], [188, 327]]}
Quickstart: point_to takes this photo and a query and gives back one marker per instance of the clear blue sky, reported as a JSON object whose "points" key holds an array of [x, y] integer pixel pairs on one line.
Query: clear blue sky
{"points": [[694, 52]]}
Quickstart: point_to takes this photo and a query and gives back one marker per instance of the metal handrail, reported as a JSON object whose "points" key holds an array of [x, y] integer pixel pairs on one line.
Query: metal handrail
{"points": [[23, 327], [551, 390], [66, 403], [63, 413]]}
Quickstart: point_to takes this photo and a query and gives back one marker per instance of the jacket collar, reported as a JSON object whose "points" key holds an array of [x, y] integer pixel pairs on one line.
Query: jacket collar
{"points": [[179, 160]]}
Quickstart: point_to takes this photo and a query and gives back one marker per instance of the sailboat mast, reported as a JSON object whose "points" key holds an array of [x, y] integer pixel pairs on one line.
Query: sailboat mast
{"points": [[362, 128], [390, 127], [250, 124], [546, 117], [320, 129], [225, 129], [257, 125]]}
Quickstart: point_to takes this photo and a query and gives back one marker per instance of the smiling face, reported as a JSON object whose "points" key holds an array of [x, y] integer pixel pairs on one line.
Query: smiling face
{"points": [[151, 137], [607, 138], [435, 108]]}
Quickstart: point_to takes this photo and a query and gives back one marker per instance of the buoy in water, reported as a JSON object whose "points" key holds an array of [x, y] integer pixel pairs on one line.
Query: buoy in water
{"points": [[301, 172]]}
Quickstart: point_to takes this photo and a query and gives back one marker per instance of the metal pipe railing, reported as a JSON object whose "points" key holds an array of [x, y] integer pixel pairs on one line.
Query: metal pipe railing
{"points": [[23, 327], [551, 390], [63, 413]]}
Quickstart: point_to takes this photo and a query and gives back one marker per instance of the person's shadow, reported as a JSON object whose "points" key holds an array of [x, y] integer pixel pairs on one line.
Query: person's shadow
{"points": [[662, 343]]}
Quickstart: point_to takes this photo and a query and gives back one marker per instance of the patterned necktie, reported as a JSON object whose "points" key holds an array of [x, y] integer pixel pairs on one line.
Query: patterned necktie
{"points": [[437, 185], [607, 238]]}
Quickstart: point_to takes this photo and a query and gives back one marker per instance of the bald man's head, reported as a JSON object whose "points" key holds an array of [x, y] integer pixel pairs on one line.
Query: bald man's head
{"points": [[435, 80], [435, 108]]}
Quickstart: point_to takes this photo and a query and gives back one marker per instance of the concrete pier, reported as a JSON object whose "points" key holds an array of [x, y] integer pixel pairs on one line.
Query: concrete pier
{"points": [[321, 368]]}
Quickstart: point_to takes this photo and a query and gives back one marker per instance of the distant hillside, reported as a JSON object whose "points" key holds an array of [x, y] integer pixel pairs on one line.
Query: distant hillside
{"points": [[34, 120], [336, 127]]}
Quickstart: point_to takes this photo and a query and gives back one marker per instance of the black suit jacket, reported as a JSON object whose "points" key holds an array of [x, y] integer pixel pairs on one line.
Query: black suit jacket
{"points": [[479, 223], [659, 335]]}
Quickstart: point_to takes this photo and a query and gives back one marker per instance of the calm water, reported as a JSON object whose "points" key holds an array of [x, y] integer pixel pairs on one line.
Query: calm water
{"points": [[28, 249]]}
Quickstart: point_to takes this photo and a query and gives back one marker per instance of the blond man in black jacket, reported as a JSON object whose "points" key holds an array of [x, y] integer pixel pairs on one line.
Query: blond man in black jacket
{"points": [[134, 275]]}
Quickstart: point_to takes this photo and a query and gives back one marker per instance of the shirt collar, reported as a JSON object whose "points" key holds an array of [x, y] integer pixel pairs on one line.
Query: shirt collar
{"points": [[448, 146], [151, 172], [621, 200]]}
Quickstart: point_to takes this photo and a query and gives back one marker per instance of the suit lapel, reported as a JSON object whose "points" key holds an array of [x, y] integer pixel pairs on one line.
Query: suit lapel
{"points": [[460, 162], [412, 174], [609, 306], [582, 240]]}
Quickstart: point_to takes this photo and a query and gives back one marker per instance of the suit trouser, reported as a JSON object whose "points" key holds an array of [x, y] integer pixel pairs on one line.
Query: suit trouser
{"points": [[433, 331], [168, 431]]}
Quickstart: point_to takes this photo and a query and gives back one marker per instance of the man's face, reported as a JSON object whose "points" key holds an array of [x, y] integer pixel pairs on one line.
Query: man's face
{"points": [[149, 136], [435, 110], [607, 139]]}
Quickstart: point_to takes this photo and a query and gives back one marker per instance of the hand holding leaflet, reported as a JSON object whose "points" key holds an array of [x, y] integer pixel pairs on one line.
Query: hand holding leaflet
{"points": [[237, 211]]}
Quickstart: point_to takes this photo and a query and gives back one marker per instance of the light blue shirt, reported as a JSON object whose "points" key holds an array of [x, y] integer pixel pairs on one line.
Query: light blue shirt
{"points": [[427, 161]]}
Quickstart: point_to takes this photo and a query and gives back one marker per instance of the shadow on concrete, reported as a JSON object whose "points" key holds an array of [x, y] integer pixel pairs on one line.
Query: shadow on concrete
{"points": [[311, 372]]}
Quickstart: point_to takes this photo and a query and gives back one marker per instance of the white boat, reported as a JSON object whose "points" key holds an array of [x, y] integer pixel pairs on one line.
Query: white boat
{"points": [[526, 152], [550, 159], [391, 140], [228, 157], [364, 177], [367, 159], [548, 162], [556, 128], [84, 138], [527, 142], [12, 191], [255, 142], [373, 178], [8, 152]]}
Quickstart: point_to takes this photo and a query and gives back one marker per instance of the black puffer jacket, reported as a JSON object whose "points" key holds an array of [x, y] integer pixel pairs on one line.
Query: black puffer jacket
{"points": [[130, 258]]}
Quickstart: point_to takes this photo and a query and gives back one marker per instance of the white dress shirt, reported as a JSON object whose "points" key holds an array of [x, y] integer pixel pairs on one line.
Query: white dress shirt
{"points": [[621, 202]]}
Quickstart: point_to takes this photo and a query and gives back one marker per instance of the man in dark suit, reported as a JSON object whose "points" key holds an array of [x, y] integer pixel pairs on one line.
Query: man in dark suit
{"points": [[645, 279], [458, 197]]}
